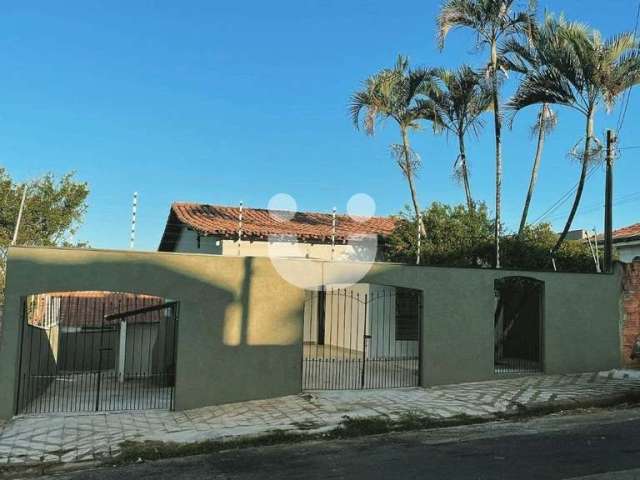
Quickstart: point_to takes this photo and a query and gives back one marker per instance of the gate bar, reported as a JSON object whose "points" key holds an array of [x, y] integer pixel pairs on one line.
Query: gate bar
{"points": [[131, 313]]}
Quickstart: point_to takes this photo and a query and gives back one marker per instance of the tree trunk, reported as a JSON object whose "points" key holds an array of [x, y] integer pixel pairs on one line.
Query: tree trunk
{"points": [[498, 131], [583, 177], [408, 171], [534, 172], [465, 172]]}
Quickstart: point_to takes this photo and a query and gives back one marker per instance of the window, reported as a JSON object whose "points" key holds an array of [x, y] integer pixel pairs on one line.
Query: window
{"points": [[407, 315]]}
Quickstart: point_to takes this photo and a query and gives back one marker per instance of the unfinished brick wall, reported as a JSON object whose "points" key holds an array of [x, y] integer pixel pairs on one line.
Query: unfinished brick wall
{"points": [[631, 305]]}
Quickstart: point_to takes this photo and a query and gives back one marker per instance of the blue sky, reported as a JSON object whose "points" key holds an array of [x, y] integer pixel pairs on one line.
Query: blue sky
{"points": [[220, 102]]}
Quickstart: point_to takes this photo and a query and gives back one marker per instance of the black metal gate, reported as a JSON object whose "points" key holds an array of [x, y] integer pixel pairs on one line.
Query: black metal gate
{"points": [[366, 336], [518, 325], [101, 351]]}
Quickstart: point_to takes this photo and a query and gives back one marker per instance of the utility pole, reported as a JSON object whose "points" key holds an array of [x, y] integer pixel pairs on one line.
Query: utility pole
{"points": [[134, 209], [17, 227], [608, 203]]}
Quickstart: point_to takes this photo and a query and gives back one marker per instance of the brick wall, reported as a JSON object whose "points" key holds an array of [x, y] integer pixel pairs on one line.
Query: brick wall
{"points": [[631, 305]]}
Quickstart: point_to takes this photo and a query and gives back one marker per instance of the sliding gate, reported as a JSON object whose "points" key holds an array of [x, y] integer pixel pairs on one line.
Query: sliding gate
{"points": [[365, 336], [77, 356]]}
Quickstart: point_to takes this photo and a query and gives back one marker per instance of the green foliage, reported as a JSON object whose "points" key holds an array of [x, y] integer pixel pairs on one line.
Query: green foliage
{"points": [[52, 212], [460, 237], [456, 236], [531, 250]]}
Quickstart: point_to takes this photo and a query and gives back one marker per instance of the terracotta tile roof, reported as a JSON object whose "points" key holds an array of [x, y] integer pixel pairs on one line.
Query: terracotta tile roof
{"points": [[627, 233], [261, 223], [86, 309]]}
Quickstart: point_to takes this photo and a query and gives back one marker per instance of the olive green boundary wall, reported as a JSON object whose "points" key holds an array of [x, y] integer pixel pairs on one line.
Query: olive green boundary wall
{"points": [[240, 326]]}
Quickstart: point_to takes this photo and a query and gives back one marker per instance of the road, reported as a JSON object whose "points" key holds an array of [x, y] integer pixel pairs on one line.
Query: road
{"points": [[553, 447]]}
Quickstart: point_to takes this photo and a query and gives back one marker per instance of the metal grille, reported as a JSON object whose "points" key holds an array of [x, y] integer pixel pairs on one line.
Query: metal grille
{"points": [[518, 325], [365, 336], [97, 351]]}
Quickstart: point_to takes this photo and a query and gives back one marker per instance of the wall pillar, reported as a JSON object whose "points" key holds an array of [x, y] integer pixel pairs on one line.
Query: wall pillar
{"points": [[631, 307], [122, 350]]}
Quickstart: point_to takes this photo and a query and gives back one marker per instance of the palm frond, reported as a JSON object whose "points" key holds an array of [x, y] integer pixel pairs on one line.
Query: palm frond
{"points": [[458, 13], [409, 164], [545, 86], [547, 120]]}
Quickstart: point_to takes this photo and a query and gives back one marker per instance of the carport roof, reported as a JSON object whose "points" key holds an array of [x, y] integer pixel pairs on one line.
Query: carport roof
{"points": [[261, 223]]}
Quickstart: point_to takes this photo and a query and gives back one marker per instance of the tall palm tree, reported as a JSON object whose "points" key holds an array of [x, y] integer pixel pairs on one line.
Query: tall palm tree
{"points": [[521, 56], [580, 70], [493, 21], [397, 93], [460, 97], [546, 121]]}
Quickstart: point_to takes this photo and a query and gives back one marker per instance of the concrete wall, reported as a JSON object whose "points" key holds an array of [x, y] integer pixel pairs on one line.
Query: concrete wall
{"points": [[240, 326], [79, 350], [581, 324], [239, 330], [38, 363]]}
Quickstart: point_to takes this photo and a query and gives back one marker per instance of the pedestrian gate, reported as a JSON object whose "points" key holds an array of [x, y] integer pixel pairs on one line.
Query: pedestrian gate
{"points": [[97, 351], [366, 336]]}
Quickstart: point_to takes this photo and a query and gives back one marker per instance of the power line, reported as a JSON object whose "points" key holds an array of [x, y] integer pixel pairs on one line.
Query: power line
{"points": [[565, 197], [622, 200]]}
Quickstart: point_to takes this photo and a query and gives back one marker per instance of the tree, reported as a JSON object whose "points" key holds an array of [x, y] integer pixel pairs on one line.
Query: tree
{"points": [[522, 57], [456, 236], [461, 237], [545, 123], [397, 93], [493, 21], [579, 70], [460, 97], [52, 212], [530, 250]]}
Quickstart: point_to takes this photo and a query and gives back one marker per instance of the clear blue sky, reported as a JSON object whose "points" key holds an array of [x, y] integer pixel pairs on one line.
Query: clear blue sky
{"points": [[226, 101]]}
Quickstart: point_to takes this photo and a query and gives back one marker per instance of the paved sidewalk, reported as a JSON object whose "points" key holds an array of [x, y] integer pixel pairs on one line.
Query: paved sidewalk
{"points": [[69, 438]]}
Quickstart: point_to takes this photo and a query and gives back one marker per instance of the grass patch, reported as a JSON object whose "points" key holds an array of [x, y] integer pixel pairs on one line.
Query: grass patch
{"points": [[132, 451]]}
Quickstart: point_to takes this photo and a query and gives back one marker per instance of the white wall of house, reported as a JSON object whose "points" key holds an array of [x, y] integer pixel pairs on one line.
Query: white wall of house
{"points": [[627, 251], [345, 325], [211, 244]]}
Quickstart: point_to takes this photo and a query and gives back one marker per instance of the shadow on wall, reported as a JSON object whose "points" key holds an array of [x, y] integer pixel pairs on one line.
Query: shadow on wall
{"points": [[239, 334]]}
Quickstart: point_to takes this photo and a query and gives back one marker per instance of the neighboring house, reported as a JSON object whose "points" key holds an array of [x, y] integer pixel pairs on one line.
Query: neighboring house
{"points": [[75, 330], [626, 242], [222, 230]]}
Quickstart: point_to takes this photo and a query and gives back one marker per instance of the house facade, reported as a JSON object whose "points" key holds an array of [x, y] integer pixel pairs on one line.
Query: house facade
{"points": [[238, 231], [626, 243]]}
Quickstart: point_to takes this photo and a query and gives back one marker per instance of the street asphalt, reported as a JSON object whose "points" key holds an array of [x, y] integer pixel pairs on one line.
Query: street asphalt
{"points": [[596, 445]]}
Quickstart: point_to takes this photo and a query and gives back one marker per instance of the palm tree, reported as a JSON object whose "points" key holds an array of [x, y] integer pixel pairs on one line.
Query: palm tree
{"points": [[397, 93], [522, 57], [460, 97], [493, 21], [546, 121], [579, 70]]}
